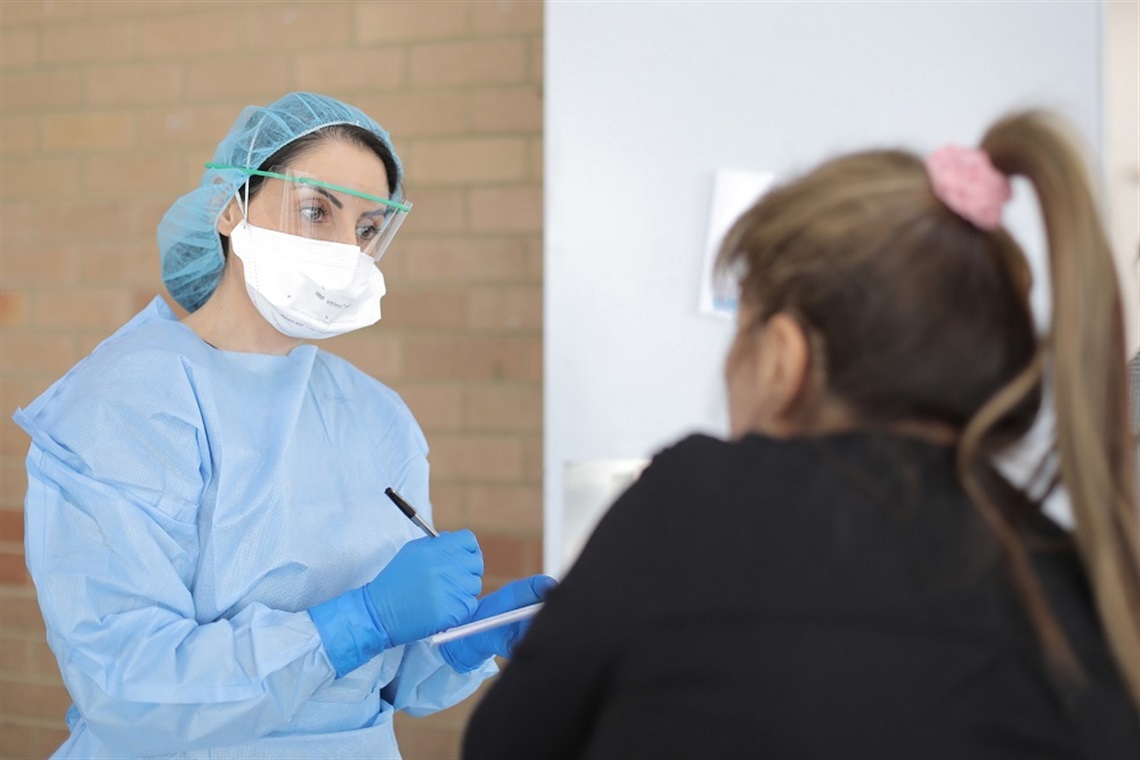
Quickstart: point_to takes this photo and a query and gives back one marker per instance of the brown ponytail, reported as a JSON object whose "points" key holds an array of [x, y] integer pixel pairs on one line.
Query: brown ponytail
{"points": [[1087, 352]]}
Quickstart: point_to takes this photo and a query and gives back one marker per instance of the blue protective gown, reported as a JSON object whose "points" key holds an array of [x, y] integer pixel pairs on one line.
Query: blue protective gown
{"points": [[185, 507]]}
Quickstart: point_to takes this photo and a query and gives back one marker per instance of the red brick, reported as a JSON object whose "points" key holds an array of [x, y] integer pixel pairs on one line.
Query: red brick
{"points": [[50, 352], [51, 264], [537, 159], [133, 263], [134, 173], [505, 508], [18, 135], [13, 308], [508, 16], [135, 84], [28, 737], [40, 177], [134, 8], [19, 390], [38, 11], [15, 224], [121, 219], [502, 408], [535, 254], [533, 463], [505, 308], [20, 612], [410, 20], [537, 59], [105, 130], [201, 34], [13, 440], [23, 699], [509, 109], [436, 407], [194, 165], [48, 740], [475, 458], [425, 308], [504, 556], [11, 526], [18, 739], [100, 41], [462, 63], [534, 556], [12, 568], [467, 160], [418, 114], [448, 508], [19, 47], [15, 655], [43, 662], [351, 69], [13, 489], [472, 358], [506, 209], [260, 78], [370, 350], [433, 210], [40, 89], [467, 260], [294, 27], [105, 308], [194, 125]]}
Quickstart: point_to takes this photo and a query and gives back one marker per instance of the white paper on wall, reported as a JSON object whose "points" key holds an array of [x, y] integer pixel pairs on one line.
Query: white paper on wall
{"points": [[734, 190]]}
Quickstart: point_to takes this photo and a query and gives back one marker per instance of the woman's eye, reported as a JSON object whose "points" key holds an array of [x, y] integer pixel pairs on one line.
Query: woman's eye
{"points": [[367, 231], [313, 213]]}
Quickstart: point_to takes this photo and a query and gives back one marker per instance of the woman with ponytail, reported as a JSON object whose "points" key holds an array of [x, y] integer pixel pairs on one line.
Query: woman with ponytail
{"points": [[851, 575]]}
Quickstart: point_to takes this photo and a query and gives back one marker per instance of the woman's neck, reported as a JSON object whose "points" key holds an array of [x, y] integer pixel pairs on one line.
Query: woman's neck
{"points": [[830, 417], [229, 321]]}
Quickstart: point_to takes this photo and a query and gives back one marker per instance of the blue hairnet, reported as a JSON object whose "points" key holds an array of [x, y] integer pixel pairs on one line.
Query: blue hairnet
{"points": [[188, 242]]}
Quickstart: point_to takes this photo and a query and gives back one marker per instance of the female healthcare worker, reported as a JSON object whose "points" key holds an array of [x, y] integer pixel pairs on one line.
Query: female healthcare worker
{"points": [[218, 569]]}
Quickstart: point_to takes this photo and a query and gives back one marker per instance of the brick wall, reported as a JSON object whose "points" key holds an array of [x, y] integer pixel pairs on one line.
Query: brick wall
{"points": [[107, 111]]}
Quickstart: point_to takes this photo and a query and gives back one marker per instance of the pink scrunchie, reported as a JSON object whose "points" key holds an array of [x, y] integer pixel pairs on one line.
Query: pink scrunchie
{"points": [[967, 182]]}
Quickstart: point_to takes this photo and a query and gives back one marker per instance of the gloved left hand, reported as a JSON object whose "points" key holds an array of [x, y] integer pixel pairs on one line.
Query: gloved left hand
{"points": [[468, 653]]}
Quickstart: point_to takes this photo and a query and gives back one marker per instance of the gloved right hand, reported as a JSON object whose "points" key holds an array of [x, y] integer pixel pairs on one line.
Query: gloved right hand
{"points": [[431, 584]]}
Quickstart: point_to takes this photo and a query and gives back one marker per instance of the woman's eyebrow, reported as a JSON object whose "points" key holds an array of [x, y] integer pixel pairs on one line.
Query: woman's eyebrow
{"points": [[328, 195], [382, 211]]}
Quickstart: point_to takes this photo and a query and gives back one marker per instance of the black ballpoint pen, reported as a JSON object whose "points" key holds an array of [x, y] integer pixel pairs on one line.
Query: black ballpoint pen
{"points": [[410, 511]]}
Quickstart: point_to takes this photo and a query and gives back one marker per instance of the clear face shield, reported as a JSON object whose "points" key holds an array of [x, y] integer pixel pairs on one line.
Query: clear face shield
{"points": [[725, 281], [318, 208]]}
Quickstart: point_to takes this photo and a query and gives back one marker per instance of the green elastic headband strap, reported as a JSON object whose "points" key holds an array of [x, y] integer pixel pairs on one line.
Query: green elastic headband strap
{"points": [[309, 181]]}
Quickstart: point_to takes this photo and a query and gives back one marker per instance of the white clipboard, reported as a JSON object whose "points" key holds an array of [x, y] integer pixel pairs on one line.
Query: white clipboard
{"points": [[503, 618]]}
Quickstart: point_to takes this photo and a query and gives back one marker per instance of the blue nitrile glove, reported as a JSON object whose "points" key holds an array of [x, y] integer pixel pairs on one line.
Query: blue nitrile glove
{"points": [[431, 584], [470, 652]]}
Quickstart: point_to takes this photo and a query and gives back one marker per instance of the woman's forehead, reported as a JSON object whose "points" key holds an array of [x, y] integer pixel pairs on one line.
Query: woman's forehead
{"points": [[343, 163]]}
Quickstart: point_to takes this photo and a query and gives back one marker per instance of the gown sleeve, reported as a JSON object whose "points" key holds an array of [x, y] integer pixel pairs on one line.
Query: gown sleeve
{"points": [[112, 543]]}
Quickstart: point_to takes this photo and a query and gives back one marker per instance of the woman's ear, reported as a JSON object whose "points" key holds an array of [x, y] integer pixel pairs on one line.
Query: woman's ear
{"points": [[785, 364], [229, 218]]}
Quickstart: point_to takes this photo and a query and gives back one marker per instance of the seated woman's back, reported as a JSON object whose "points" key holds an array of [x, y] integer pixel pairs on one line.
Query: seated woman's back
{"points": [[736, 603]]}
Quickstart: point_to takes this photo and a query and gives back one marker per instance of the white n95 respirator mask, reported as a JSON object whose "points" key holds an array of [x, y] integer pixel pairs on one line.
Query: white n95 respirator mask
{"points": [[305, 287]]}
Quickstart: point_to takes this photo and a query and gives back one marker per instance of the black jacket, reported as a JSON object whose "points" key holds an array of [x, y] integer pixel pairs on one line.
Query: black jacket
{"points": [[831, 597]]}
